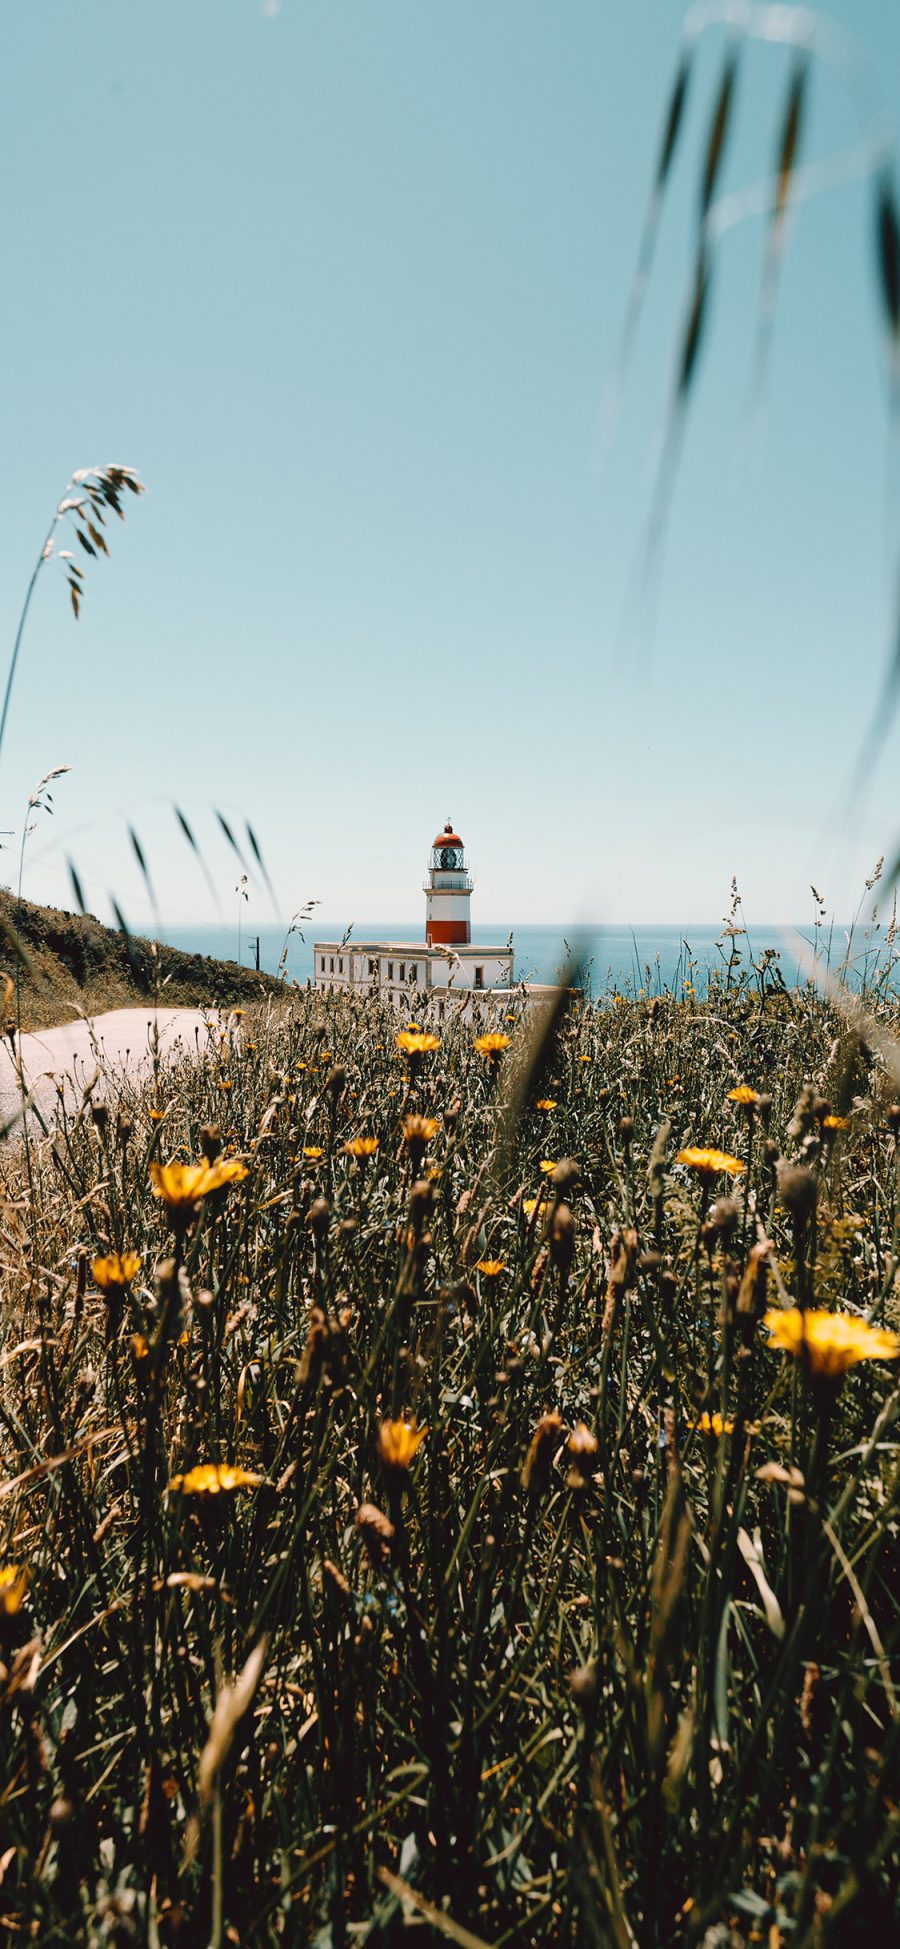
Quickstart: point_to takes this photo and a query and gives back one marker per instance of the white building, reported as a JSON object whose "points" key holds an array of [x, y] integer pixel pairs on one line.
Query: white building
{"points": [[445, 966]]}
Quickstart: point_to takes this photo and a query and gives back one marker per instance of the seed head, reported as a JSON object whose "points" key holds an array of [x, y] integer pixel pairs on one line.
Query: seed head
{"points": [[797, 1190]]}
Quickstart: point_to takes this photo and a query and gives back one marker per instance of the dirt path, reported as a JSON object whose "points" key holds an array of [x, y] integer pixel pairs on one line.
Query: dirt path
{"points": [[109, 1046]]}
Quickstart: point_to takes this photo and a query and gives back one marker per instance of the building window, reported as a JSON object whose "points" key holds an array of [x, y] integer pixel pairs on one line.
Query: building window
{"points": [[323, 964], [403, 971], [373, 966], [412, 976], [331, 965], [479, 977], [390, 971]]}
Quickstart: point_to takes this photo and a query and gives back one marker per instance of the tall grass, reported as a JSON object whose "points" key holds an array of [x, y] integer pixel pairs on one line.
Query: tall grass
{"points": [[610, 1654]]}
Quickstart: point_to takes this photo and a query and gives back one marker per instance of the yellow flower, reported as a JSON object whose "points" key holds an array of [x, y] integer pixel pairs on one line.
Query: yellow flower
{"points": [[831, 1342], [835, 1123], [585, 1058], [14, 1581], [325, 1055], [713, 1425], [302, 1065], [420, 1130], [492, 1046], [710, 1163], [156, 1116], [530, 1205], [491, 1268], [115, 1271], [181, 1186], [361, 1146], [411, 1042], [548, 1166], [139, 1346], [545, 1103], [214, 1479], [743, 1094], [312, 1150], [397, 1443]]}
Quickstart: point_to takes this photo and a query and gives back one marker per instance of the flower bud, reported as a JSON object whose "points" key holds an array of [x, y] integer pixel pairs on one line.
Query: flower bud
{"points": [[566, 1175], [319, 1218], [541, 1450], [562, 1238]]}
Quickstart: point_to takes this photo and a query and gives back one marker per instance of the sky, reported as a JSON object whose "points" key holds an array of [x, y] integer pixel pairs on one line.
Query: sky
{"points": [[345, 281]]}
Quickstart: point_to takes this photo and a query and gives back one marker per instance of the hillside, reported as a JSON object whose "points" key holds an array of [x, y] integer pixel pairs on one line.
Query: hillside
{"points": [[70, 964]]}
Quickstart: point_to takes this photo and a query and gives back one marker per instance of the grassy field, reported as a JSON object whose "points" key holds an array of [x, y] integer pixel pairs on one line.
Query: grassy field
{"points": [[442, 1503], [70, 964]]}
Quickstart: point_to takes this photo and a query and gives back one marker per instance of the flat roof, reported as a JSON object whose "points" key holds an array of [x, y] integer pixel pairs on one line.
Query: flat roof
{"points": [[418, 948]]}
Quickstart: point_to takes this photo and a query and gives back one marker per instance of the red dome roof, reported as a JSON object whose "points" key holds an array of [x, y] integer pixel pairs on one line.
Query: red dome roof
{"points": [[448, 837]]}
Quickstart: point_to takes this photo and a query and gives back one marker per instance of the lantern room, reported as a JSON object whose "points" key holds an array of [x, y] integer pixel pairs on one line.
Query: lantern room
{"points": [[448, 892]]}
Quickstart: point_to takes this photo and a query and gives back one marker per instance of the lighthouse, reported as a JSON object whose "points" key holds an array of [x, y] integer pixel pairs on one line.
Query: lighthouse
{"points": [[447, 967], [448, 893]]}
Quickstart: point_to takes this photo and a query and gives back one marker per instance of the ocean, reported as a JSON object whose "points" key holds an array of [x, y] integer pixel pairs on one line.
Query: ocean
{"points": [[621, 958]]}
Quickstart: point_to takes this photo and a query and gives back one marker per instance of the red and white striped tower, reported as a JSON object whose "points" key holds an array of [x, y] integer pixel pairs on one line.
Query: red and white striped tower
{"points": [[448, 893]]}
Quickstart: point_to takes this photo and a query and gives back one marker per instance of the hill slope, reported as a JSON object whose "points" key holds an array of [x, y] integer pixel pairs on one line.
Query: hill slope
{"points": [[70, 964]]}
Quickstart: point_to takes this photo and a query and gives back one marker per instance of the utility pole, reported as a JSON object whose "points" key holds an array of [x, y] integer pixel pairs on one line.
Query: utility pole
{"points": [[254, 944]]}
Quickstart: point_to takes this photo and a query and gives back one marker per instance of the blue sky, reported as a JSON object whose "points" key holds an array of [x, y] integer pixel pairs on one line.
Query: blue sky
{"points": [[344, 281]]}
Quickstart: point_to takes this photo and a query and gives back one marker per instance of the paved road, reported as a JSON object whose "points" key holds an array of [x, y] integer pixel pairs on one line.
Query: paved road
{"points": [[106, 1047]]}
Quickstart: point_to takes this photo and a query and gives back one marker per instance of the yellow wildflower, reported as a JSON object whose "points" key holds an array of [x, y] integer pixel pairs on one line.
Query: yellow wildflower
{"points": [[835, 1123], [312, 1150], [397, 1443], [491, 1268], [115, 1271], [548, 1166], [411, 1042], [830, 1342], [420, 1130], [744, 1094], [14, 1581], [530, 1205], [214, 1478], [545, 1103], [713, 1425], [492, 1046], [181, 1186], [361, 1146], [710, 1163]]}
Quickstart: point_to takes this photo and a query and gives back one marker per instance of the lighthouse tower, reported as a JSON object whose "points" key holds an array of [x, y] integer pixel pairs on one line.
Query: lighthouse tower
{"points": [[448, 893]]}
